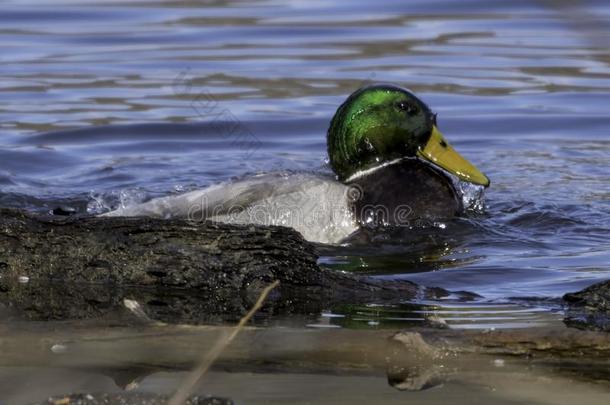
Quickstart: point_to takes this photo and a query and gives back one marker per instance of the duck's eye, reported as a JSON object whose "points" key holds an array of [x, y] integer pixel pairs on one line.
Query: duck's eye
{"points": [[406, 107]]}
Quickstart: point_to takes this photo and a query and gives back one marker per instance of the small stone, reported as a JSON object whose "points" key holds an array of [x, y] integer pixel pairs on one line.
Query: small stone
{"points": [[499, 363], [24, 279], [136, 309], [59, 348], [131, 386]]}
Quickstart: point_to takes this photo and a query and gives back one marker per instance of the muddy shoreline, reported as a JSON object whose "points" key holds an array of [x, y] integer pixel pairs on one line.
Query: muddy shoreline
{"points": [[411, 360]]}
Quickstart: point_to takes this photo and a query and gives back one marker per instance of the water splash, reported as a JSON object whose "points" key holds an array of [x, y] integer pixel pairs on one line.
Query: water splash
{"points": [[104, 202], [473, 196]]}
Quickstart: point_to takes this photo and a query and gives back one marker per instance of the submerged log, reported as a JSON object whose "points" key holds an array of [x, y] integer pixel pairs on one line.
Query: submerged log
{"points": [[413, 359], [181, 271]]}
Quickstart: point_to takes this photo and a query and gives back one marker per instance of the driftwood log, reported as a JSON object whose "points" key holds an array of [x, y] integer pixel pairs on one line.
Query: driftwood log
{"points": [[589, 308], [178, 271]]}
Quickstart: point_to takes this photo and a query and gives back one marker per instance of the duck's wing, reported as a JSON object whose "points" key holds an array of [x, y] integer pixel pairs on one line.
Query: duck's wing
{"points": [[204, 203], [316, 206]]}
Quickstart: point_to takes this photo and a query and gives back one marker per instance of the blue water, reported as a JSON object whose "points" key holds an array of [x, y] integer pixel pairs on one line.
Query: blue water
{"points": [[109, 103]]}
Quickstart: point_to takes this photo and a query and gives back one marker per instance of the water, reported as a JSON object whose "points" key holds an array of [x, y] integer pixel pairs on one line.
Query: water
{"points": [[116, 102]]}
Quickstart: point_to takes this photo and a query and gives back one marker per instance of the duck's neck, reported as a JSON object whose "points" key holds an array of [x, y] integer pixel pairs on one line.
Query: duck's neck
{"points": [[403, 193]]}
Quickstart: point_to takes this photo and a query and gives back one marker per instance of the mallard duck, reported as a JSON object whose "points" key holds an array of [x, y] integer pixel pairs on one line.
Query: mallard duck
{"points": [[392, 166]]}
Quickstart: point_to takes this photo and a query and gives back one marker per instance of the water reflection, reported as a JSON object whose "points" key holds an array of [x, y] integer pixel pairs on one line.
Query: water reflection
{"points": [[455, 313]]}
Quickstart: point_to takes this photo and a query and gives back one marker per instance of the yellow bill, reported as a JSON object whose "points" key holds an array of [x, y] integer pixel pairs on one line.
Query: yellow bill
{"points": [[439, 152]]}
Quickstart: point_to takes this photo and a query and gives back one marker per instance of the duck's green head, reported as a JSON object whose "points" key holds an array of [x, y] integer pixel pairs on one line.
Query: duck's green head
{"points": [[382, 123]]}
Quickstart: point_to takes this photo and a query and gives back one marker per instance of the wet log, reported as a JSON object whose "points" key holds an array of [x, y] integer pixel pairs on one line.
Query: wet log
{"points": [[589, 308], [595, 297], [180, 271]]}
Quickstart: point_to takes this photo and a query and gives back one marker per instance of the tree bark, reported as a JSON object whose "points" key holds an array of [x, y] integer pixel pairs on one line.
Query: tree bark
{"points": [[589, 308], [78, 267]]}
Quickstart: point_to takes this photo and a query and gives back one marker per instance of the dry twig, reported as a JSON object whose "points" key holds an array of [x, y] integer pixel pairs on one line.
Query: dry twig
{"points": [[194, 376]]}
